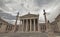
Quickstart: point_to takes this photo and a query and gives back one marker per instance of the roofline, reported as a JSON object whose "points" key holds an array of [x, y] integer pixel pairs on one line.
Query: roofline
{"points": [[57, 16], [27, 14], [4, 20]]}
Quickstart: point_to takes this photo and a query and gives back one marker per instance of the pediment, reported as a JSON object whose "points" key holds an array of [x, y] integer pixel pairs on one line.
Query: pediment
{"points": [[29, 16]]}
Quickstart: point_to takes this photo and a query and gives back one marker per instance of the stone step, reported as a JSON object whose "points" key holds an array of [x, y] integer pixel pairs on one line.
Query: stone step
{"points": [[23, 35]]}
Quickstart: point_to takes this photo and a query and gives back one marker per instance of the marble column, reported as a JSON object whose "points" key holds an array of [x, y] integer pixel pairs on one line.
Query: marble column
{"points": [[30, 25], [23, 25], [34, 25], [38, 26], [26, 24]]}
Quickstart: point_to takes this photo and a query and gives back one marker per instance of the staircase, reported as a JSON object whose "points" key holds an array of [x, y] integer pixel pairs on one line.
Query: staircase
{"points": [[23, 34]]}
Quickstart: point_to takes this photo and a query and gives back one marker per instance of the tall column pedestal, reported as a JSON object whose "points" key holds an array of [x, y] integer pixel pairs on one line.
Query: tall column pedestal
{"points": [[23, 26]]}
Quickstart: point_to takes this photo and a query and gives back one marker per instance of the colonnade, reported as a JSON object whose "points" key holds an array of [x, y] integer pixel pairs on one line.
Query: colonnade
{"points": [[30, 25]]}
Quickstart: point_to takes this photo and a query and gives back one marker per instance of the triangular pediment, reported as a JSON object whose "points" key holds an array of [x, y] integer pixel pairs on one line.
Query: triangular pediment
{"points": [[29, 15]]}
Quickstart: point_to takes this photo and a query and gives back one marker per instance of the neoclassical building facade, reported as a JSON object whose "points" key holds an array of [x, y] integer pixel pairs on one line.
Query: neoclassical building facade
{"points": [[5, 26], [30, 23]]}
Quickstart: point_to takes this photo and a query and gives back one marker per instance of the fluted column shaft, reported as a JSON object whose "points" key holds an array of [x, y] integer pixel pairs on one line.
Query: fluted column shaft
{"points": [[30, 25], [26, 24], [34, 25], [38, 27], [23, 25]]}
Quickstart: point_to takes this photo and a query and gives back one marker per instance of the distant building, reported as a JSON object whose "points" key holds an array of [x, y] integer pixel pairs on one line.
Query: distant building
{"points": [[57, 20], [5, 26]]}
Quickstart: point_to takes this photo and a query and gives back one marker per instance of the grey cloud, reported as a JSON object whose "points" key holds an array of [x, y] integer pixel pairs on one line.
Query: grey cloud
{"points": [[2, 5], [10, 1], [43, 2], [21, 7], [6, 15]]}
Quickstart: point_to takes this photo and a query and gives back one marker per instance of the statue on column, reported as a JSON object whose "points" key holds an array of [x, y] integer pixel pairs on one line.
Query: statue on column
{"points": [[46, 22], [15, 26], [49, 31]]}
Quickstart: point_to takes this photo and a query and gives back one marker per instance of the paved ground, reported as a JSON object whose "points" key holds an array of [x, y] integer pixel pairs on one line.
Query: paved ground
{"points": [[23, 35]]}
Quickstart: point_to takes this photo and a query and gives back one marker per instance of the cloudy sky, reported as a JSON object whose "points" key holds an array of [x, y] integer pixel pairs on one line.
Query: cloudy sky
{"points": [[9, 9]]}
